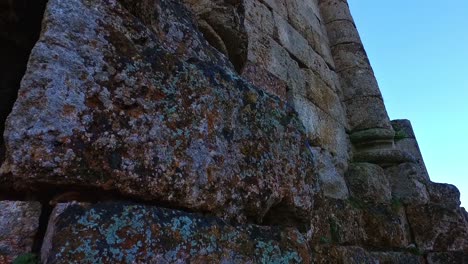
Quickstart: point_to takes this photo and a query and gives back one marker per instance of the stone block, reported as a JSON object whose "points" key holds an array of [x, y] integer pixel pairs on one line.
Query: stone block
{"points": [[330, 173], [408, 183], [406, 141], [327, 254], [359, 82], [367, 182], [354, 223], [342, 31], [333, 10], [265, 80], [355, 254], [292, 40], [386, 226], [322, 130], [397, 258], [367, 112], [445, 195], [304, 16], [336, 221], [278, 6], [447, 258], [128, 233], [150, 110], [19, 224], [436, 228], [350, 56], [259, 16], [323, 96], [403, 128]]}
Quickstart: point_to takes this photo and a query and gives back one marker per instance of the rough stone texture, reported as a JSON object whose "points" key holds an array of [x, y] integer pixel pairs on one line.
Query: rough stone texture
{"points": [[129, 233], [242, 112], [408, 183], [368, 183], [131, 97], [436, 228], [352, 255], [351, 222], [447, 258], [19, 223], [406, 141]]}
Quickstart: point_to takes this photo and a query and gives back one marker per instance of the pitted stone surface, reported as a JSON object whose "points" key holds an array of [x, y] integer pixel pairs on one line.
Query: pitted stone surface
{"points": [[19, 223], [129, 233], [129, 96]]}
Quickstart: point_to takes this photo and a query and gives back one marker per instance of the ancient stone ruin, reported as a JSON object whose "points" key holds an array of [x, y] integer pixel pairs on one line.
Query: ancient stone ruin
{"points": [[207, 131]]}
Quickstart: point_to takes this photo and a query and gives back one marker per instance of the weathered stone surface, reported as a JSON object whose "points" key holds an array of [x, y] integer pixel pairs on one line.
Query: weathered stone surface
{"points": [[436, 228], [129, 96], [322, 95], [321, 128], [356, 223], [405, 140], [128, 233], [359, 82], [408, 183], [367, 182], [222, 24], [342, 255], [333, 10], [305, 17], [446, 195], [19, 223], [447, 258], [330, 173], [366, 113], [342, 31], [353, 254]]}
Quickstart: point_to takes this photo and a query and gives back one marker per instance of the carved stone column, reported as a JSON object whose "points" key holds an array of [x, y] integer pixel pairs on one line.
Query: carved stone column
{"points": [[372, 134]]}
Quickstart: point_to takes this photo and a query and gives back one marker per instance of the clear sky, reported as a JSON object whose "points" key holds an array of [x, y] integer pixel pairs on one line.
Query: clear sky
{"points": [[419, 52]]}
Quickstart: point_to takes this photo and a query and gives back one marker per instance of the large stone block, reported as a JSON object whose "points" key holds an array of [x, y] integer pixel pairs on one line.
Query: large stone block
{"points": [[359, 82], [323, 96], [342, 31], [366, 113], [128, 233], [333, 10], [330, 173], [278, 6], [367, 182], [436, 228], [408, 183], [260, 16], [354, 254], [148, 108], [305, 17], [352, 222], [406, 141], [19, 224], [321, 128], [447, 258], [350, 56]]}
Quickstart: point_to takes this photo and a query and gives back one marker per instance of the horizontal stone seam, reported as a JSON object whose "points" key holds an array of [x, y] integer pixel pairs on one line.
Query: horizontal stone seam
{"points": [[365, 96], [345, 43], [328, 114], [356, 67], [341, 20]]}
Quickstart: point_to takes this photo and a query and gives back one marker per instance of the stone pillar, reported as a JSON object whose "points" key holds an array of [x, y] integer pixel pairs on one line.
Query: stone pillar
{"points": [[372, 134]]}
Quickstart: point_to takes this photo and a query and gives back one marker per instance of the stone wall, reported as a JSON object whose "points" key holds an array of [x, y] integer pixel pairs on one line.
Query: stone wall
{"points": [[225, 131]]}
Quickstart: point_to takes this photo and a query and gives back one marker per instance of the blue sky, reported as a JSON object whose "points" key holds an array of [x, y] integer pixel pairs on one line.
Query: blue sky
{"points": [[419, 52]]}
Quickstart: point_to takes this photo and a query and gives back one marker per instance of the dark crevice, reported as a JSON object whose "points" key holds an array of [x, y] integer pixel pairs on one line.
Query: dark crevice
{"points": [[223, 27], [20, 26], [283, 215]]}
